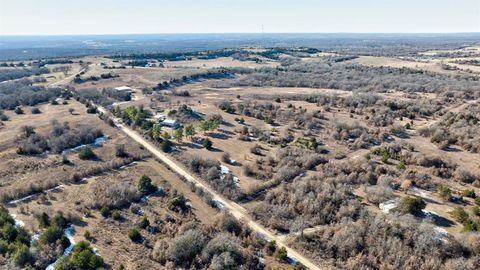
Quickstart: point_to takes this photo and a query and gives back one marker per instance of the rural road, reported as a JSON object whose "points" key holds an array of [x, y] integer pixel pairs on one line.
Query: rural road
{"points": [[67, 79], [236, 210]]}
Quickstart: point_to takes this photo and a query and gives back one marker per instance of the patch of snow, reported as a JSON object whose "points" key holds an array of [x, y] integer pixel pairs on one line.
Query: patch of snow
{"points": [[35, 237], [420, 193], [158, 192], [128, 165], [218, 204], [236, 180], [388, 205], [440, 233], [97, 143], [13, 202], [429, 214], [100, 141], [18, 222], [233, 161], [224, 170]]}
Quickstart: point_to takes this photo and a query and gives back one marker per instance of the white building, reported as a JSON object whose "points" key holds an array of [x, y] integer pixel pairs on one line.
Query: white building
{"points": [[171, 123], [123, 89]]}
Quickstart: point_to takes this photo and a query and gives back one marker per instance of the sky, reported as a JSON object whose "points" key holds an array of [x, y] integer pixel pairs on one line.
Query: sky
{"points": [[62, 17]]}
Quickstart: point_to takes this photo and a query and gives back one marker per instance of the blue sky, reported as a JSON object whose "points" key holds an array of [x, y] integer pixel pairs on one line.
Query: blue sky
{"points": [[55, 17]]}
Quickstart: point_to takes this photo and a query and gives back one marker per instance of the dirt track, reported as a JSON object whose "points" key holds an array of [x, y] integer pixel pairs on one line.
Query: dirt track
{"points": [[236, 210]]}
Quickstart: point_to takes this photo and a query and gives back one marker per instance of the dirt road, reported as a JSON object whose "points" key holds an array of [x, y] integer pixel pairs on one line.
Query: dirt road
{"points": [[67, 79], [235, 209]]}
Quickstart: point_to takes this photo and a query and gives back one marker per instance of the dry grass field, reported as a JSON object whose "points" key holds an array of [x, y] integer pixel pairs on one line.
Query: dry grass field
{"points": [[338, 157]]}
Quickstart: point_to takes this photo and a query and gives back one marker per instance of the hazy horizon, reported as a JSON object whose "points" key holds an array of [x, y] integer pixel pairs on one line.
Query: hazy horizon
{"points": [[248, 33], [122, 17]]}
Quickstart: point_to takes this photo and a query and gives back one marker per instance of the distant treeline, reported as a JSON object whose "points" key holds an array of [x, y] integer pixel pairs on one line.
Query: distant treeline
{"points": [[356, 77], [176, 56], [23, 93], [240, 54], [42, 63], [17, 73], [79, 79], [473, 62], [212, 75]]}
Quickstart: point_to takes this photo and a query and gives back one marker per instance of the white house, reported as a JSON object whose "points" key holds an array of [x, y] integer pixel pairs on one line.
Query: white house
{"points": [[171, 123]]}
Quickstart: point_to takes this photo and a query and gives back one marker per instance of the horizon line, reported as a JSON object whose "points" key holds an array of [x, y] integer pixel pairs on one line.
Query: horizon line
{"points": [[236, 33]]}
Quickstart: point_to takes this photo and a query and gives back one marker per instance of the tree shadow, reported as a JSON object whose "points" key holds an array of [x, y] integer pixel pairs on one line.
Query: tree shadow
{"points": [[192, 145], [220, 136], [213, 149], [437, 220], [402, 135], [453, 149], [228, 124]]}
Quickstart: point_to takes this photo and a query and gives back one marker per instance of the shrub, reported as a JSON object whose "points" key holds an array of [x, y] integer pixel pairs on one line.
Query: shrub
{"points": [[256, 150], [282, 254], [120, 151], [223, 261], [379, 193], [134, 235], [22, 255], [464, 176], [402, 164], [444, 192], [470, 193], [226, 158], [271, 247], [221, 243], [43, 220], [92, 110], [51, 235], [36, 110], [144, 223], [105, 211], [65, 160], [185, 248], [166, 145], [269, 120], [475, 210], [59, 220], [82, 257], [87, 235], [477, 201], [460, 215], [116, 215], [412, 205], [18, 110], [179, 203], [86, 153], [207, 143], [145, 185]]}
